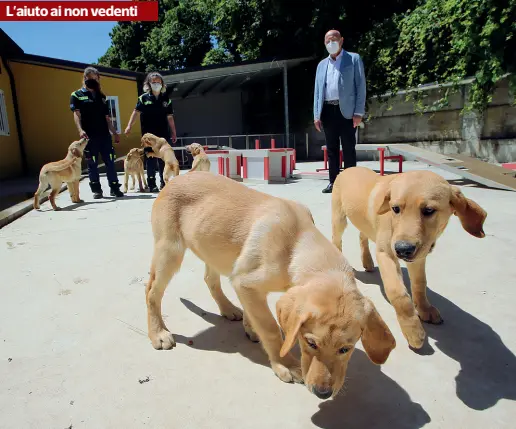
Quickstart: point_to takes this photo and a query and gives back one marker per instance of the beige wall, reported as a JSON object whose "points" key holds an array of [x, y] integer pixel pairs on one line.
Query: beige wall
{"points": [[46, 119]]}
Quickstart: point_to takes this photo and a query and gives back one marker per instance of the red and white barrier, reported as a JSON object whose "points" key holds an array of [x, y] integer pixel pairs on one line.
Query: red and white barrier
{"points": [[265, 165], [234, 165], [218, 161], [291, 161]]}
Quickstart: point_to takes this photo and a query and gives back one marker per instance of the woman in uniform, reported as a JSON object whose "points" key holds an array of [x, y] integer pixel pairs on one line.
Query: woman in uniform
{"points": [[92, 118], [157, 117]]}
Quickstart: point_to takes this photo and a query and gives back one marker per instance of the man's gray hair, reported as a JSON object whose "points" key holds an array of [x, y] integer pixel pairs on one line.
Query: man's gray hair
{"points": [[147, 82]]}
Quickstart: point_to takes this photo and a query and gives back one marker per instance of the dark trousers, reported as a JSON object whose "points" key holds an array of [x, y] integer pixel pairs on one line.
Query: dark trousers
{"points": [[337, 127], [101, 146]]}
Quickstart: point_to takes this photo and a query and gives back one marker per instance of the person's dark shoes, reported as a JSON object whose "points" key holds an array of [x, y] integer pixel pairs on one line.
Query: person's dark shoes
{"points": [[328, 189], [115, 190], [161, 185], [151, 181], [96, 189]]}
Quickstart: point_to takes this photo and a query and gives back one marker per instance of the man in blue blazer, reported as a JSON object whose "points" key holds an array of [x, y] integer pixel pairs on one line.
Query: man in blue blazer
{"points": [[339, 102]]}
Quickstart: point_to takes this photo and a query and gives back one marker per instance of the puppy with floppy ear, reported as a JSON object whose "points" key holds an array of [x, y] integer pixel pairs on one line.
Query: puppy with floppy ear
{"points": [[274, 247], [201, 161], [133, 167], [404, 214], [327, 328], [162, 149], [67, 170]]}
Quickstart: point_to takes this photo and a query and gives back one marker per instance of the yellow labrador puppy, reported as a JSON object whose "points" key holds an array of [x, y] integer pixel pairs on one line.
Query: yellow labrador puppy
{"points": [[273, 247], [404, 214], [67, 170], [133, 166], [201, 161], [161, 149]]}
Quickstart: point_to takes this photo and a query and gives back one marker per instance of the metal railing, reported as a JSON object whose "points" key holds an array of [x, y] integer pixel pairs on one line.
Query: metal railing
{"points": [[237, 141]]}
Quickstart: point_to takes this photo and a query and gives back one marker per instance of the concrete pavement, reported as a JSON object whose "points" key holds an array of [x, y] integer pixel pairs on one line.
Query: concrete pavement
{"points": [[74, 352]]}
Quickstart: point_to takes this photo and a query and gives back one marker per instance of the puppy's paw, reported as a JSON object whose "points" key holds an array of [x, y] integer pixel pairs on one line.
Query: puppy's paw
{"points": [[249, 332], [163, 340], [413, 331], [368, 264], [231, 312], [430, 315], [79, 201], [288, 370]]}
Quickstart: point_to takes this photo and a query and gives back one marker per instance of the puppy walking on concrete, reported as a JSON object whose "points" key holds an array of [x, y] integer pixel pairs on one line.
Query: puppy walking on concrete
{"points": [[133, 167], [265, 244], [201, 161], [67, 170], [161, 149], [404, 214]]}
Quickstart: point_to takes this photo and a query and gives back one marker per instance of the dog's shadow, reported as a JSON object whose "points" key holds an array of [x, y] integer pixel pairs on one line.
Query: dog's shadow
{"points": [[224, 336], [107, 199], [488, 367], [373, 400]]}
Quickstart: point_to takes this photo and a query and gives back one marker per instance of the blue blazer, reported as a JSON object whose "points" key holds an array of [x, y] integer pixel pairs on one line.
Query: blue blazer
{"points": [[352, 86]]}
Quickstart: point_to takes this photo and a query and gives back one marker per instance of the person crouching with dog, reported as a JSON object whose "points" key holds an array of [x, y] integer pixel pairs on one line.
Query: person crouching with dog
{"points": [[157, 117], [93, 121]]}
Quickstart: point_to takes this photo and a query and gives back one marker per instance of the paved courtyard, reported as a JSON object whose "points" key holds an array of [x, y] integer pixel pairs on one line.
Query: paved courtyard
{"points": [[74, 352]]}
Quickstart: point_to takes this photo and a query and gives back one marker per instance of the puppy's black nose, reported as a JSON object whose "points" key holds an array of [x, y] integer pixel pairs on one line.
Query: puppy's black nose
{"points": [[322, 392], [404, 249]]}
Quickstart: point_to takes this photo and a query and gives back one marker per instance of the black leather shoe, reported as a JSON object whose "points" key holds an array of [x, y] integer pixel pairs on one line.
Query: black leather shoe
{"points": [[328, 189]]}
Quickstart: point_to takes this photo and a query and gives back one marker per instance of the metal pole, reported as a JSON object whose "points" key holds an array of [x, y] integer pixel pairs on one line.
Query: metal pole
{"points": [[285, 102]]}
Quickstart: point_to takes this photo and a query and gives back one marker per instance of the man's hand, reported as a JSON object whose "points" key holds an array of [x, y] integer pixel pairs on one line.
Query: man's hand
{"points": [[117, 138], [82, 134], [318, 124], [127, 131], [174, 138], [356, 120]]}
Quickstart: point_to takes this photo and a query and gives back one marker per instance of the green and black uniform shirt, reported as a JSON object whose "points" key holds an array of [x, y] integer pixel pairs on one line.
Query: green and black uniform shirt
{"points": [[154, 112], [94, 109]]}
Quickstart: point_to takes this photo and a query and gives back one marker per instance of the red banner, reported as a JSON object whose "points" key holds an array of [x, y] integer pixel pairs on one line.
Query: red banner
{"points": [[78, 10]]}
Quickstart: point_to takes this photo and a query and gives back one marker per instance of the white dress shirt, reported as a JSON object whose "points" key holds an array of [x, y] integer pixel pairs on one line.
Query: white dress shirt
{"points": [[332, 78]]}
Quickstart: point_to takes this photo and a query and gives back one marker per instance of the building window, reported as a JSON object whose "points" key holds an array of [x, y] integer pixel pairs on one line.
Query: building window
{"points": [[4, 123], [114, 112]]}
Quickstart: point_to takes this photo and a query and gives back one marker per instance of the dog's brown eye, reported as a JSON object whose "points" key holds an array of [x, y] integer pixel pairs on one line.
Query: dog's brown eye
{"points": [[395, 209], [343, 350], [427, 211], [312, 344]]}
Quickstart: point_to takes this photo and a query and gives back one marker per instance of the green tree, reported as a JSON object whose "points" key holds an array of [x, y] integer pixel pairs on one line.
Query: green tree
{"points": [[181, 38], [444, 41]]}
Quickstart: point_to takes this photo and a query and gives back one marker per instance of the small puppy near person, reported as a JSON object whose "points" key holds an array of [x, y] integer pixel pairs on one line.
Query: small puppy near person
{"points": [[67, 170], [404, 214], [201, 161], [162, 149], [273, 247], [133, 167]]}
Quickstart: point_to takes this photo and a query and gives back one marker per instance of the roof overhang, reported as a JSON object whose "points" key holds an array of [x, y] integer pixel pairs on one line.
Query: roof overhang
{"points": [[223, 78], [76, 66]]}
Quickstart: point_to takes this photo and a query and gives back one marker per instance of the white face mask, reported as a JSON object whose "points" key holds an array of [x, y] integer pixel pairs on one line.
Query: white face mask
{"points": [[332, 47], [156, 87]]}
